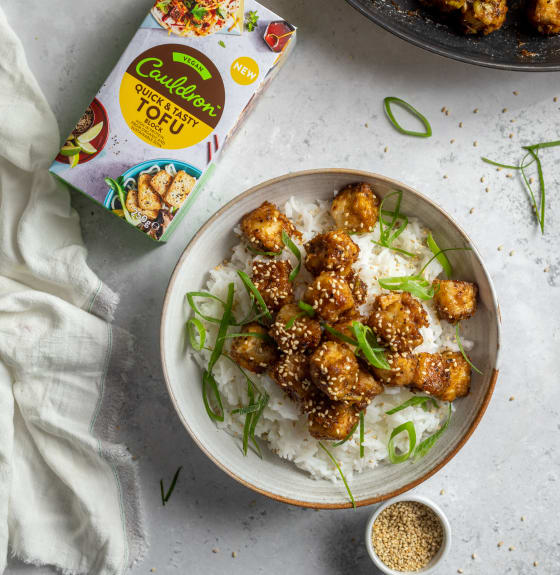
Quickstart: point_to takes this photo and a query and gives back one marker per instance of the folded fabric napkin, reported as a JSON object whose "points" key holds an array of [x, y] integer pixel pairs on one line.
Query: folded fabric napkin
{"points": [[68, 495]]}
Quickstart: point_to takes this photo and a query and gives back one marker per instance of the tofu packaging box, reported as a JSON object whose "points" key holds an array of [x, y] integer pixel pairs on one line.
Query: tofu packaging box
{"points": [[149, 140]]}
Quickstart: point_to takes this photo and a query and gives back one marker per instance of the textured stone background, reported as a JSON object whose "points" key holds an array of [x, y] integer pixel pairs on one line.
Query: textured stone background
{"points": [[325, 110]]}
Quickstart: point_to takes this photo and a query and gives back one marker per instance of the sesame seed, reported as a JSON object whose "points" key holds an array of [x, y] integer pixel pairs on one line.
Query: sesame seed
{"points": [[512, 398], [515, 92], [500, 543], [445, 176], [460, 124], [473, 556], [500, 248], [511, 548], [386, 149], [487, 190], [504, 110], [475, 143], [482, 179], [535, 563], [512, 252], [234, 554], [475, 111], [471, 211]]}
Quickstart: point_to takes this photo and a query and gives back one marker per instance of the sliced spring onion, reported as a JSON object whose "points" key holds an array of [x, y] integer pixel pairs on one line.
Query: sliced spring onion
{"points": [[251, 408], [407, 426], [202, 294], [195, 329], [222, 330], [295, 250], [374, 354], [165, 498], [416, 285], [255, 419], [331, 457], [416, 400], [350, 434], [260, 253], [209, 384], [254, 292], [438, 254], [506, 166], [290, 323], [263, 336], [362, 433], [538, 211], [395, 227], [425, 446], [441, 257], [462, 349], [339, 335], [308, 309], [542, 145], [248, 418], [392, 99]]}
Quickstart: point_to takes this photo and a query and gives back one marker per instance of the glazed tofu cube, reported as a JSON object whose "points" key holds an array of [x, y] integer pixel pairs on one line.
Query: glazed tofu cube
{"points": [[455, 300], [344, 327], [303, 333], [272, 279], [396, 318], [334, 370], [330, 296], [355, 208], [483, 16], [331, 419], [445, 376], [332, 252], [367, 387], [358, 287], [179, 189], [402, 372], [544, 15], [291, 373], [263, 228], [253, 353]]}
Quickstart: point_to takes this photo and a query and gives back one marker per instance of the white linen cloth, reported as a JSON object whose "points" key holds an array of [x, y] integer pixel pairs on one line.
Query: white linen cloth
{"points": [[68, 496]]}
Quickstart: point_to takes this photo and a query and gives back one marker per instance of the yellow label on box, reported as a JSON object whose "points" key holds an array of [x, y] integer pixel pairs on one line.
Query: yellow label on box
{"points": [[172, 96]]}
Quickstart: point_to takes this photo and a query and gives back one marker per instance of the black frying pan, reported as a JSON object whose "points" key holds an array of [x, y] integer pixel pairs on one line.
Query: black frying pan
{"points": [[514, 47]]}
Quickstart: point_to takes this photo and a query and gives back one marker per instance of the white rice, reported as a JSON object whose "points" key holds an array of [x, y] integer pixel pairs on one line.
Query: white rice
{"points": [[282, 425]]}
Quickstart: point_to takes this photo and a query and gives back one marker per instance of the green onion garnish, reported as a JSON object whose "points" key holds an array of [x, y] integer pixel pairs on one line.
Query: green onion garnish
{"points": [[340, 472], [507, 166], [369, 346], [222, 330], [430, 441], [202, 294], [350, 434], [306, 309], [395, 227], [362, 433], [392, 99], [416, 284], [255, 419], [339, 335], [196, 328], [441, 257], [259, 253], [416, 400], [263, 336], [533, 151], [254, 292], [295, 250], [208, 381], [248, 418], [459, 343], [165, 498], [407, 426]]}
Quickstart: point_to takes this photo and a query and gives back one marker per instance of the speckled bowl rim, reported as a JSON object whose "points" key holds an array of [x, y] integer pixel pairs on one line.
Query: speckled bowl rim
{"points": [[358, 174]]}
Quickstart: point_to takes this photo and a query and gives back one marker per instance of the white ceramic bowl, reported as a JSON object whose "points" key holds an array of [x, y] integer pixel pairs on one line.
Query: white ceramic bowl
{"points": [[436, 559], [272, 476]]}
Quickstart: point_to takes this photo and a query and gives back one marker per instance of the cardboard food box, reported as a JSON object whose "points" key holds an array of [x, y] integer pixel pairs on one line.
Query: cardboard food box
{"points": [[149, 140]]}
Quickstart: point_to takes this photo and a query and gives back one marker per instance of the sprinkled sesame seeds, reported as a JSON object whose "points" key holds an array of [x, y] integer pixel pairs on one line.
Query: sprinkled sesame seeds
{"points": [[406, 535]]}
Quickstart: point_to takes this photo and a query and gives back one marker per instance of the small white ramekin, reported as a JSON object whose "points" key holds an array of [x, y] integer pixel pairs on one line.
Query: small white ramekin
{"points": [[436, 559]]}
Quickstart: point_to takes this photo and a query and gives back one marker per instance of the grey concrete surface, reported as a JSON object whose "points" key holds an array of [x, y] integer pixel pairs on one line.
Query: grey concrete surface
{"points": [[325, 110]]}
